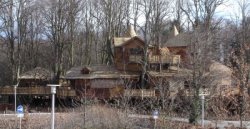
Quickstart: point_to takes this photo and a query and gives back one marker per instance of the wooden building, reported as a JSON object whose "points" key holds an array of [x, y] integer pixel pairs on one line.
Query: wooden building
{"points": [[164, 77], [178, 43], [36, 77], [99, 81], [122, 79], [128, 53], [34, 83]]}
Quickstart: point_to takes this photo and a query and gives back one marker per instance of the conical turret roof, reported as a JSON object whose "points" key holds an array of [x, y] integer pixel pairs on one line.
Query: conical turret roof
{"points": [[174, 32], [131, 32]]}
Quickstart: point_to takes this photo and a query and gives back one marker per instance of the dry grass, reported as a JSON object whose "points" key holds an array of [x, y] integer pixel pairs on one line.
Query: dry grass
{"points": [[97, 117]]}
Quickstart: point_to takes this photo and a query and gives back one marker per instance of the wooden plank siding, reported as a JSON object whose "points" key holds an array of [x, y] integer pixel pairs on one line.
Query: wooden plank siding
{"points": [[139, 93], [61, 91], [124, 57]]}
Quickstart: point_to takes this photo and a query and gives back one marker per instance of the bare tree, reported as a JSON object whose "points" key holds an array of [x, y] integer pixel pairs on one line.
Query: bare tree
{"points": [[73, 12], [56, 17], [14, 16], [7, 17], [200, 14], [239, 57]]}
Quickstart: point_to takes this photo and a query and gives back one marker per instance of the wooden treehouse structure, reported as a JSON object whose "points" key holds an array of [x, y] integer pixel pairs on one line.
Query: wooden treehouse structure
{"points": [[164, 76], [123, 78], [33, 84]]}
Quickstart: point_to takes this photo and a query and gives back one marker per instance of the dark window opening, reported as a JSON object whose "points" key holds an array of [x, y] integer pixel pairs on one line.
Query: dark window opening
{"points": [[136, 51], [186, 85]]}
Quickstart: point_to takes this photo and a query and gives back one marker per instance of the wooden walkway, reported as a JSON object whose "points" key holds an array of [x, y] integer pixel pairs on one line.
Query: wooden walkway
{"points": [[39, 90]]}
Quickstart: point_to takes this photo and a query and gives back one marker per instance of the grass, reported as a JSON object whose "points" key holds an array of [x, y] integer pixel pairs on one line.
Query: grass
{"points": [[96, 117]]}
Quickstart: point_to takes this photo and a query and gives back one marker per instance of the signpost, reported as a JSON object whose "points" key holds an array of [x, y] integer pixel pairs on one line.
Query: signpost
{"points": [[15, 86], [53, 92], [203, 93], [20, 114]]}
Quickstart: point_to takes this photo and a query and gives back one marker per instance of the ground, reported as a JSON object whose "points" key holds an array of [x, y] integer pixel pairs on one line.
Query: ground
{"points": [[97, 117]]}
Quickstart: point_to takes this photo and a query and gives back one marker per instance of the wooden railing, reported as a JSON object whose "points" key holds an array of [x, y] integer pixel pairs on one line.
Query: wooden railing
{"points": [[139, 93], [201, 92], [135, 58], [158, 59], [41, 90]]}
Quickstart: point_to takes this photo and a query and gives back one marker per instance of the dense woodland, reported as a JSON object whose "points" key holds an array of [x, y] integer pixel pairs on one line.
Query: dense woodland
{"points": [[59, 34]]}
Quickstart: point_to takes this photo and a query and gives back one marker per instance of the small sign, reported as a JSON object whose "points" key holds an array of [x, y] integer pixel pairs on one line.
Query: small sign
{"points": [[155, 114], [20, 111]]}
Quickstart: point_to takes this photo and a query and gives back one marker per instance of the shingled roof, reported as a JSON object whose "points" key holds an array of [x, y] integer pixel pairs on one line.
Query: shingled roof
{"points": [[96, 71], [181, 40], [123, 41], [37, 73], [131, 34], [118, 41]]}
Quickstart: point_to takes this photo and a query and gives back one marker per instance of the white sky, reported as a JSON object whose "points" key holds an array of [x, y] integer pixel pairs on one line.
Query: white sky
{"points": [[230, 9]]}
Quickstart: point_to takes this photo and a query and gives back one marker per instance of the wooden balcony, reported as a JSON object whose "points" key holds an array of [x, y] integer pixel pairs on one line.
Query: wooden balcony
{"points": [[39, 90], [139, 93]]}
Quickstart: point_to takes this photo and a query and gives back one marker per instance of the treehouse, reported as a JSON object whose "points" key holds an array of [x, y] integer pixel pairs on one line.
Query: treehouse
{"points": [[99, 81], [129, 56], [163, 78], [35, 78], [128, 53], [34, 83], [178, 44]]}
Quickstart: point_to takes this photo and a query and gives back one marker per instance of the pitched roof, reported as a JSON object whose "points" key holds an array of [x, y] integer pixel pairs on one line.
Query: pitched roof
{"points": [[181, 40], [131, 32], [97, 71], [118, 41], [37, 73], [123, 41]]}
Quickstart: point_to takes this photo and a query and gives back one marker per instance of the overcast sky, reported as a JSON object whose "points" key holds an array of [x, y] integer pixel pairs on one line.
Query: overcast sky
{"points": [[230, 9]]}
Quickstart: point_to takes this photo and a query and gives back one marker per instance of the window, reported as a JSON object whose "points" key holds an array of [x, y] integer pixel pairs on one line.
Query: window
{"points": [[136, 51], [186, 84]]}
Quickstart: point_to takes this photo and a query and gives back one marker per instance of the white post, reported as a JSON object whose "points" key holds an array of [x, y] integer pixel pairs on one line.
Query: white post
{"points": [[53, 111], [20, 122], [202, 113], [53, 92], [155, 124], [155, 116], [15, 86]]}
